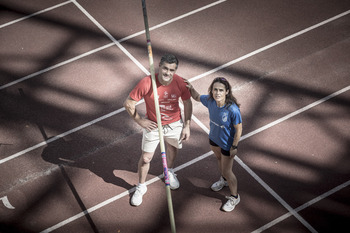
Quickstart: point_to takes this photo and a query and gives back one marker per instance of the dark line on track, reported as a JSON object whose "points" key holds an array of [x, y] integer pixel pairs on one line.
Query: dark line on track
{"points": [[61, 166]]}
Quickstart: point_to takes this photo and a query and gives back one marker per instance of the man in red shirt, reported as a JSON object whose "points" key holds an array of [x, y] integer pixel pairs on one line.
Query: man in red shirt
{"points": [[170, 88]]}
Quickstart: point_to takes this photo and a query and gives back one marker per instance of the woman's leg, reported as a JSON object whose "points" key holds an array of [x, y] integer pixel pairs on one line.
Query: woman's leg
{"points": [[226, 166], [217, 153]]}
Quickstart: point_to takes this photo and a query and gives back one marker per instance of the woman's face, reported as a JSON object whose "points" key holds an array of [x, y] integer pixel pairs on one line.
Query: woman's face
{"points": [[219, 92]]}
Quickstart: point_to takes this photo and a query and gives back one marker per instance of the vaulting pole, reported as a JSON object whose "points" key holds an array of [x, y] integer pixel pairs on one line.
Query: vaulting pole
{"points": [[161, 139]]}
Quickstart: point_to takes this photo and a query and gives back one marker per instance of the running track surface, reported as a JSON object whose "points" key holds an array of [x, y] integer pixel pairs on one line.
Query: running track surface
{"points": [[69, 151]]}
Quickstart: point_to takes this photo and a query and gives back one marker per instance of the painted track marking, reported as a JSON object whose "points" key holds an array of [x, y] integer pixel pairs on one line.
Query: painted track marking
{"points": [[6, 202], [155, 27], [199, 158], [191, 79], [115, 42], [302, 207], [222, 67], [34, 14]]}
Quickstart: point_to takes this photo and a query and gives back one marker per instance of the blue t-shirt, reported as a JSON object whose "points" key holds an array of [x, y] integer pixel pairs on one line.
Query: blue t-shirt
{"points": [[222, 121]]}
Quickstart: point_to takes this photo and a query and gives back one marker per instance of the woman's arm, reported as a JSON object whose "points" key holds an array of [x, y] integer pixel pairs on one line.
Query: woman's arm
{"points": [[238, 134], [195, 95]]}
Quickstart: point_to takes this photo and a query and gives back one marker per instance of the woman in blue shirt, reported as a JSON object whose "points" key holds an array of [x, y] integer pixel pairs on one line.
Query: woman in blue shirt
{"points": [[225, 132]]}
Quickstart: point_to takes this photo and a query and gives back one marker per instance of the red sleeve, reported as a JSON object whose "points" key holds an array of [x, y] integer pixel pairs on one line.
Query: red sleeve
{"points": [[141, 89]]}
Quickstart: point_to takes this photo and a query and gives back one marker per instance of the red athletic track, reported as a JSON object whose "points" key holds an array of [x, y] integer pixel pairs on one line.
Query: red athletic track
{"points": [[64, 77]]}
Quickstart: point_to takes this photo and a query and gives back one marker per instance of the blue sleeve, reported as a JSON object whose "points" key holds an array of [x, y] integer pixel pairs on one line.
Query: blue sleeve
{"points": [[204, 100], [236, 116]]}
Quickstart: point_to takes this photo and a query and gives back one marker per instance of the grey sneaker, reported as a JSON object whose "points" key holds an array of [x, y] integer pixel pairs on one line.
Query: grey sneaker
{"points": [[174, 182], [231, 203], [218, 185], [136, 199]]}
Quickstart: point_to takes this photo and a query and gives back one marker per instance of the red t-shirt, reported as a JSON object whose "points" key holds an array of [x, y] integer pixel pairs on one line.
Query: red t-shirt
{"points": [[168, 98]]}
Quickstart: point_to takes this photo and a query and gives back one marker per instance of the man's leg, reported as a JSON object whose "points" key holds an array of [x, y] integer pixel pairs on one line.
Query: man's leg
{"points": [[171, 153], [144, 165], [143, 168], [149, 143]]}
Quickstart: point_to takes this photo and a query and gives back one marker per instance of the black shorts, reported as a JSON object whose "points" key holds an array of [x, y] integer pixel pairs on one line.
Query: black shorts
{"points": [[224, 152]]}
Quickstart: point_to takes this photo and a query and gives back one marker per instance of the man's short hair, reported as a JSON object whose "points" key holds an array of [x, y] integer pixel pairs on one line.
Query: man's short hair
{"points": [[169, 58]]}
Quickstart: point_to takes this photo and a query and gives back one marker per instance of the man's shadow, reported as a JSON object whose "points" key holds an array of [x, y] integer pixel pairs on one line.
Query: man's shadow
{"points": [[81, 154]]}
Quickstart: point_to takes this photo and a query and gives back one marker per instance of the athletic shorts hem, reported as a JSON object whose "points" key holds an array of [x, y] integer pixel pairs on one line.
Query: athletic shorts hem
{"points": [[224, 152]]}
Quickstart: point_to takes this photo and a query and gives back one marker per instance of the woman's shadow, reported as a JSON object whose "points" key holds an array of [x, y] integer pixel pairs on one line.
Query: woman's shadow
{"points": [[88, 155]]}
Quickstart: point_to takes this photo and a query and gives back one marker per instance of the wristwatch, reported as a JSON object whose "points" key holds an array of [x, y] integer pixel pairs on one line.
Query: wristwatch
{"points": [[234, 147]]}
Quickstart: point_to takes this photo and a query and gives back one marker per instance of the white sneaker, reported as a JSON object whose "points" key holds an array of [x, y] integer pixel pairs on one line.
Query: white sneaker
{"points": [[218, 185], [174, 182], [231, 203], [136, 199]]}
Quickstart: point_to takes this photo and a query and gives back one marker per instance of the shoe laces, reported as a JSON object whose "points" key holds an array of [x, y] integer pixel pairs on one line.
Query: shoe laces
{"points": [[138, 190], [171, 173], [232, 199]]}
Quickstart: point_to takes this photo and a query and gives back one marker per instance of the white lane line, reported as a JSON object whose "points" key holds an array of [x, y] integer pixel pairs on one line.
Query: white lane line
{"points": [[34, 14], [55, 66], [6, 202], [74, 59], [176, 18], [212, 71], [260, 181], [199, 158], [192, 79], [104, 47], [270, 45], [302, 207], [137, 63], [197, 121], [187, 14], [98, 206], [275, 195], [126, 38], [307, 107], [61, 135]]}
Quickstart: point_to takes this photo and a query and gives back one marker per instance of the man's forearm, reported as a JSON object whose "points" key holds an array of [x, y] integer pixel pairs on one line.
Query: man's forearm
{"points": [[130, 107], [187, 112]]}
